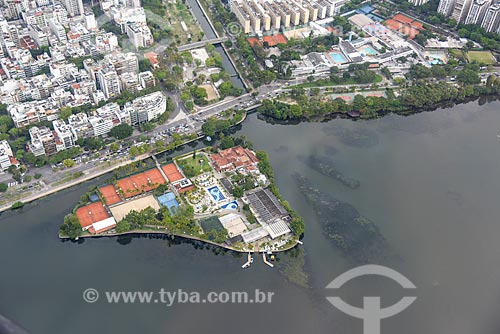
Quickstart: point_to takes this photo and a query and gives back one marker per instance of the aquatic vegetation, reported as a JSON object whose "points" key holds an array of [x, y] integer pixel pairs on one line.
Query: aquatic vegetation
{"points": [[355, 235], [325, 166]]}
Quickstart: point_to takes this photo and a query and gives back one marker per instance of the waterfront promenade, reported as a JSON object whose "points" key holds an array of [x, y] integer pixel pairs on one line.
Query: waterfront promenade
{"points": [[91, 175]]}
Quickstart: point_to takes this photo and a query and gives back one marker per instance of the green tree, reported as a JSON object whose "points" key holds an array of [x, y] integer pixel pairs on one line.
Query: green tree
{"points": [[114, 147], [65, 112], [227, 142], [238, 191], [68, 163], [122, 131], [3, 187], [71, 227]]}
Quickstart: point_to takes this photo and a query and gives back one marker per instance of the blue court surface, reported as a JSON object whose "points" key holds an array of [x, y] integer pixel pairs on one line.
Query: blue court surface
{"points": [[216, 193], [169, 201]]}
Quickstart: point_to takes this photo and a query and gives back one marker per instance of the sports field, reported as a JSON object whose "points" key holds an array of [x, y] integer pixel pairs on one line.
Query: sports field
{"points": [[139, 204], [482, 57], [92, 213], [172, 173], [140, 183], [110, 195]]}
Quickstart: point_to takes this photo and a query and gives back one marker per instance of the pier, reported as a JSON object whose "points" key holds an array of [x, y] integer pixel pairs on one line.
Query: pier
{"points": [[264, 258], [249, 261]]}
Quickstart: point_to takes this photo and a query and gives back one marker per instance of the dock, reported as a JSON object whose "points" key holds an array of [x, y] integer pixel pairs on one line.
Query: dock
{"points": [[248, 263], [264, 258]]}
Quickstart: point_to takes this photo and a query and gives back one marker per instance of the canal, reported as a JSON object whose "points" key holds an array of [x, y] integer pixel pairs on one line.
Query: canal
{"points": [[210, 34]]}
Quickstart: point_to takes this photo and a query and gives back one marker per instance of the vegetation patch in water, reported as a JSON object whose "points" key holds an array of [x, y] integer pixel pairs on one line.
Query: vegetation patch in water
{"points": [[355, 235], [325, 166]]}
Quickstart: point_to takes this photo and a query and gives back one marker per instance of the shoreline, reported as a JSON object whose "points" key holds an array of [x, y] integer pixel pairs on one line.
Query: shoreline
{"points": [[94, 175], [405, 111], [184, 236]]}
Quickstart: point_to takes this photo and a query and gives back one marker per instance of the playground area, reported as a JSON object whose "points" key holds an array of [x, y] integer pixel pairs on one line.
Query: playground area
{"points": [[120, 211], [212, 93]]}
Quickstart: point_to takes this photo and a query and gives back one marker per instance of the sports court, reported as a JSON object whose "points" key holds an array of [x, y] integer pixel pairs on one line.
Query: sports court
{"points": [[140, 183], [233, 224], [110, 195], [275, 39], [120, 211], [168, 200], [90, 214], [173, 174]]}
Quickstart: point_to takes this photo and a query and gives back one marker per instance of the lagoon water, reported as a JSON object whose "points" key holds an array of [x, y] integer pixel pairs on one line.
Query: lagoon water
{"points": [[430, 182]]}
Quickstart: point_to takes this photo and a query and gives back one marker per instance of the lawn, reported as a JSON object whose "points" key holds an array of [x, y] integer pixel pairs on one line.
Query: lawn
{"points": [[193, 167], [482, 57]]}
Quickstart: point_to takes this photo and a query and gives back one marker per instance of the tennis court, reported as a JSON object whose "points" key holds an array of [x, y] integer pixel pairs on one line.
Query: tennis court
{"points": [[110, 195], [210, 223], [140, 183], [92, 213], [173, 174]]}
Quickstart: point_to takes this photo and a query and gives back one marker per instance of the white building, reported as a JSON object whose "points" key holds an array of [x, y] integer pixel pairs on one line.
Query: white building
{"points": [[418, 2], [491, 21], [74, 7], [477, 11], [100, 126], [109, 82], [57, 29], [65, 133], [90, 21], [146, 108], [460, 10], [147, 79], [5, 155], [140, 36]]}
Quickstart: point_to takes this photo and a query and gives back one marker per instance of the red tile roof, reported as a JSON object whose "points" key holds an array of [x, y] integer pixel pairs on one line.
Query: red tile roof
{"points": [[233, 158]]}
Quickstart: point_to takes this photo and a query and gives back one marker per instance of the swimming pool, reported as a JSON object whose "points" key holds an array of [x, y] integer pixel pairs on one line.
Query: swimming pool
{"points": [[436, 58], [216, 193], [338, 58], [368, 50], [230, 206]]}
